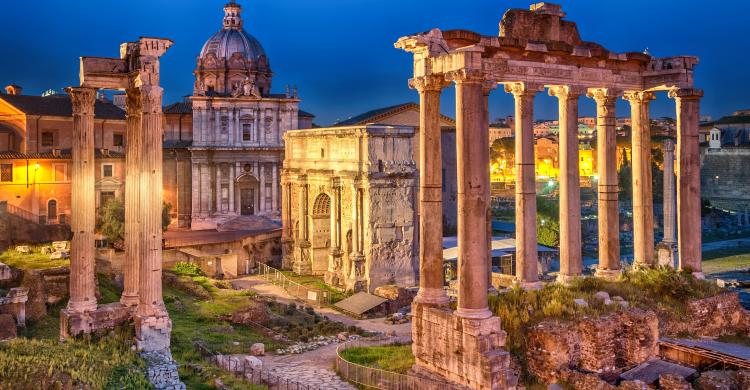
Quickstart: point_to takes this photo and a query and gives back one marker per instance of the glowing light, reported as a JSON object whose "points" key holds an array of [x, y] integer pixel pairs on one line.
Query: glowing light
{"points": [[551, 183], [36, 166]]}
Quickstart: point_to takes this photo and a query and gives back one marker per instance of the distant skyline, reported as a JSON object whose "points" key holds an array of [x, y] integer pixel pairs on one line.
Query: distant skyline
{"points": [[340, 54]]}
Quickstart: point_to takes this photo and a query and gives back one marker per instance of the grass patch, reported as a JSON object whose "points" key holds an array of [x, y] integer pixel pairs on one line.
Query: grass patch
{"points": [[107, 363], [723, 260], [396, 358], [33, 260], [318, 283], [663, 290]]}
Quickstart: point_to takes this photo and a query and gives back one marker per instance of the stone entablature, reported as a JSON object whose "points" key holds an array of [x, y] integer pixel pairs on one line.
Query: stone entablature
{"points": [[349, 201]]}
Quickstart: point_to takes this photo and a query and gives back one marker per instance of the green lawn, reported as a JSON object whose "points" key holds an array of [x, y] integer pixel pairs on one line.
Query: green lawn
{"points": [[397, 357], [723, 260], [33, 260], [317, 283]]}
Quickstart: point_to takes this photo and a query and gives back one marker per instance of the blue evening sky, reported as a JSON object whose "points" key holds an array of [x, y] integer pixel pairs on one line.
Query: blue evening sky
{"points": [[340, 52]]}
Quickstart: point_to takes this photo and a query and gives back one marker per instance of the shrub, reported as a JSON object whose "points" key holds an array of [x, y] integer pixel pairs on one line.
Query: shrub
{"points": [[188, 269]]}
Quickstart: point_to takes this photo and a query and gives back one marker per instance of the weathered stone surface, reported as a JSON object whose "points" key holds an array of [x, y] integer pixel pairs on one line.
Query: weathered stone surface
{"points": [[597, 344], [673, 382], [7, 327], [581, 381], [255, 313], [743, 379], [104, 318], [161, 370], [716, 380], [5, 272], [632, 385], [258, 349], [711, 317], [15, 304]]}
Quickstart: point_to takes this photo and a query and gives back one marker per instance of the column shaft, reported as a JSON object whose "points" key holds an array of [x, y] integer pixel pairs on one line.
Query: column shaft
{"points": [[219, 198], [472, 157], [275, 187], [526, 237], [608, 190], [232, 178], [262, 190], [151, 302], [670, 232], [571, 262], [83, 202], [132, 237], [643, 202], [430, 192], [688, 180]]}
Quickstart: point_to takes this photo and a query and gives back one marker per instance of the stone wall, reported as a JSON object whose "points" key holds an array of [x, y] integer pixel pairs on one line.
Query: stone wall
{"points": [[14, 229], [725, 177], [711, 317], [605, 344], [46, 287]]}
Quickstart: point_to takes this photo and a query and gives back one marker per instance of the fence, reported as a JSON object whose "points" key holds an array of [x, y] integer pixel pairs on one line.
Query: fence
{"points": [[258, 376], [309, 295], [374, 378]]}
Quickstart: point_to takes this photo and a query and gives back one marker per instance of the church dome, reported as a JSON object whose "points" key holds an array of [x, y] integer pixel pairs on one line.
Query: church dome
{"points": [[225, 43]]}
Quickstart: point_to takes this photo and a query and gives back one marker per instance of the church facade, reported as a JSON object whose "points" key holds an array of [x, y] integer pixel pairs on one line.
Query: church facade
{"points": [[227, 139]]}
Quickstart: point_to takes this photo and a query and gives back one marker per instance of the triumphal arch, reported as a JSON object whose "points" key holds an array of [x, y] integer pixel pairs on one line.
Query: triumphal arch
{"points": [[536, 49], [137, 73]]}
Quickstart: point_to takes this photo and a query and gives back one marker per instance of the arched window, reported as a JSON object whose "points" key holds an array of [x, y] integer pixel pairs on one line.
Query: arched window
{"points": [[51, 209], [322, 206]]}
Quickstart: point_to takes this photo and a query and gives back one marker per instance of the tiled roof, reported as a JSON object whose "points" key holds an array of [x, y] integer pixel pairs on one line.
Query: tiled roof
{"points": [[59, 105], [65, 154], [179, 108], [375, 115], [305, 114]]}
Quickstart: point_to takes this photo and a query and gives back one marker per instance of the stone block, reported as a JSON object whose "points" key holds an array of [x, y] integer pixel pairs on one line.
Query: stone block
{"points": [[60, 246], [716, 380], [602, 296], [258, 349], [7, 327], [253, 363], [5, 272], [152, 332], [673, 382]]}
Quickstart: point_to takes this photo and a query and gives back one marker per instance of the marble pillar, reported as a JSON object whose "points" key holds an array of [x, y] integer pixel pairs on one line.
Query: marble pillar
{"points": [[526, 238], [571, 261], [431, 278], [232, 178], [262, 190], [131, 270], [334, 257], [688, 180], [608, 191], [643, 202], [275, 187], [472, 157], [219, 198], [302, 261], [356, 280], [83, 203]]}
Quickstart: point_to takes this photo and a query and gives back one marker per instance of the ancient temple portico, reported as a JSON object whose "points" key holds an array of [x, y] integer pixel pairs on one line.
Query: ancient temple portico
{"points": [[136, 72], [535, 50]]}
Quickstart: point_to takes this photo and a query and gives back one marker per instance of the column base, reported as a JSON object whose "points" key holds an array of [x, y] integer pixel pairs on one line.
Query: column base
{"points": [[152, 333], [608, 274], [104, 318], [129, 300], [566, 279], [82, 307], [432, 296], [302, 261], [475, 314]]}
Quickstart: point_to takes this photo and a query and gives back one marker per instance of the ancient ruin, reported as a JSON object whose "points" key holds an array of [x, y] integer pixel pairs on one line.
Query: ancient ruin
{"points": [[535, 49], [349, 205]]}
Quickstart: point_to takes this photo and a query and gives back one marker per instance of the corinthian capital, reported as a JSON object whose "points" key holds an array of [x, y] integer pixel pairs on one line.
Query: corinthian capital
{"points": [[566, 91], [685, 93], [604, 96], [82, 99], [151, 99], [639, 96], [521, 89], [466, 76], [434, 82]]}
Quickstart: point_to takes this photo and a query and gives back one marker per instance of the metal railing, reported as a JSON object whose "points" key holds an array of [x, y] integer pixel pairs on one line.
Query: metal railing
{"points": [[258, 376], [21, 213], [374, 378], [309, 295]]}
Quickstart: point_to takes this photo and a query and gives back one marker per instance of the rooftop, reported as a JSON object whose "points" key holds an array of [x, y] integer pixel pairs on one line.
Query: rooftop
{"points": [[59, 105]]}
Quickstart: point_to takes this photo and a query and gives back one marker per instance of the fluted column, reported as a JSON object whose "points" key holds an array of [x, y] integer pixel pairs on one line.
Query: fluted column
{"points": [[526, 238], [571, 262], [608, 209], [334, 257], [643, 202], [430, 191], [688, 180], [219, 198], [670, 231], [232, 178], [262, 193], [151, 301], [83, 202], [472, 160], [131, 271]]}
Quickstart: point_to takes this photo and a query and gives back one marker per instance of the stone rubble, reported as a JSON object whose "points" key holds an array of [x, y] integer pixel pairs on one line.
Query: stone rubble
{"points": [[161, 370], [320, 341], [673, 382], [258, 349]]}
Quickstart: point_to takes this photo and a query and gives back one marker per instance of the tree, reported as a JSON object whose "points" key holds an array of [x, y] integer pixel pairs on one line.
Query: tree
{"points": [[111, 218], [502, 148]]}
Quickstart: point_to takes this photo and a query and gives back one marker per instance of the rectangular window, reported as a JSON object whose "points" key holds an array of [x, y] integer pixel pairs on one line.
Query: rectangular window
{"points": [[107, 170], [118, 139], [59, 172], [48, 138], [6, 173], [247, 132]]}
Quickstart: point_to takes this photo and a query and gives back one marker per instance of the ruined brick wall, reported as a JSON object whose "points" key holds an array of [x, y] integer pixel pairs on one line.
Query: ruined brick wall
{"points": [[711, 317], [602, 344]]}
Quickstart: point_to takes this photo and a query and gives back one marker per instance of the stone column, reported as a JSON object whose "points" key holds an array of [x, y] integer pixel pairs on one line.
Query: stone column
{"points": [[334, 257], [134, 146], [487, 87], [670, 232], [195, 193], [430, 191], [526, 238], [608, 191], [688, 180], [83, 203], [472, 157], [275, 188], [571, 262], [357, 275], [219, 200], [303, 263], [232, 178], [262, 190], [643, 202]]}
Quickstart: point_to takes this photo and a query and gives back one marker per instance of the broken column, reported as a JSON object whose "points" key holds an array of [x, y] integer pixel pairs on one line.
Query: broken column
{"points": [[688, 180], [643, 202], [526, 238], [608, 210], [83, 204], [430, 191], [571, 261]]}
